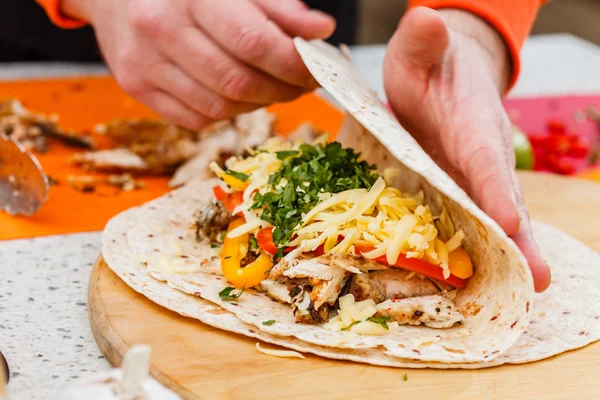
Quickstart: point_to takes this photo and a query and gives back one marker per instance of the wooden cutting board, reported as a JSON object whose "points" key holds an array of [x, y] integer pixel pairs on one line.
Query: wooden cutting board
{"points": [[200, 362]]}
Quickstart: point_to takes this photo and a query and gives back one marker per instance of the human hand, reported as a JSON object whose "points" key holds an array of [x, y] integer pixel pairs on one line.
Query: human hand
{"points": [[444, 74], [196, 61]]}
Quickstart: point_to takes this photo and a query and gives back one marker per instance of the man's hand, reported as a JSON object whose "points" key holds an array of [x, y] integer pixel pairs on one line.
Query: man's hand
{"points": [[195, 61], [444, 74]]}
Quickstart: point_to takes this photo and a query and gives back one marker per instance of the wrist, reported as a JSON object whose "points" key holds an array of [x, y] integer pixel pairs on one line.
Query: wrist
{"points": [[468, 26], [78, 9]]}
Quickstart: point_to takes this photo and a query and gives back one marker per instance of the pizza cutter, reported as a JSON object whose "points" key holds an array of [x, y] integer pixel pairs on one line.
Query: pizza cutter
{"points": [[23, 184]]}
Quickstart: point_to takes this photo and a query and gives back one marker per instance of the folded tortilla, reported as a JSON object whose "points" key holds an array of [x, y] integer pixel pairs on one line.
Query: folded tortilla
{"points": [[497, 302]]}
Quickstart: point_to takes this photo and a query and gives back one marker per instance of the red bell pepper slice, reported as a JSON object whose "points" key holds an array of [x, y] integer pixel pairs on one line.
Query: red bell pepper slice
{"points": [[418, 266]]}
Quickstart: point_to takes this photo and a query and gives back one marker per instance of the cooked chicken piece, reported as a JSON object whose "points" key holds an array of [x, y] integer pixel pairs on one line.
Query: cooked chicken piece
{"points": [[326, 281], [304, 308], [110, 160], [223, 140], [12, 107], [435, 311], [254, 127], [390, 284], [275, 290], [212, 221], [365, 286], [31, 129], [351, 263], [290, 259], [305, 132]]}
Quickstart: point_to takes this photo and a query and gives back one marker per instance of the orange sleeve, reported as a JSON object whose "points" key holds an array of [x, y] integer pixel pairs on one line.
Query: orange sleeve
{"points": [[512, 19], [59, 19]]}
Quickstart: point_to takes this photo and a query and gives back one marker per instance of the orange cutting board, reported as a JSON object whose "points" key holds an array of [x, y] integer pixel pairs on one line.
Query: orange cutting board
{"points": [[200, 362], [81, 104]]}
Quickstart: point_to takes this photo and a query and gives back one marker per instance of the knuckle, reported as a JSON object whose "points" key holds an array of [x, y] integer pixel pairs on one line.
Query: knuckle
{"points": [[236, 85], [131, 84], [146, 21], [219, 109], [250, 44]]}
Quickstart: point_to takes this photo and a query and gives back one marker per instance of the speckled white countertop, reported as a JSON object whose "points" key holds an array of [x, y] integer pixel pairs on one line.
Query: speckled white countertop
{"points": [[44, 329]]}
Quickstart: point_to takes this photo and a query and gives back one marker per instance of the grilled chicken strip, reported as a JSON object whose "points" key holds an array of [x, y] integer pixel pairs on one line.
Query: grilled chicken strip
{"points": [[304, 307], [351, 263], [435, 311], [326, 281], [314, 286], [390, 284], [275, 290]]}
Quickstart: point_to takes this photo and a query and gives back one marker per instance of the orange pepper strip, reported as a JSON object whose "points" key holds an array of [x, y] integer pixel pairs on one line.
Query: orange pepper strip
{"points": [[231, 258]]}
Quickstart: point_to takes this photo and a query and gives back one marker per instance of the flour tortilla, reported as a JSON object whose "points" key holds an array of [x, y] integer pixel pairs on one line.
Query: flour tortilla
{"points": [[559, 322], [496, 302]]}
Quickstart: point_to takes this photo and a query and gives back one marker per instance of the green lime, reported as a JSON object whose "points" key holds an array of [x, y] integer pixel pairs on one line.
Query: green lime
{"points": [[523, 149]]}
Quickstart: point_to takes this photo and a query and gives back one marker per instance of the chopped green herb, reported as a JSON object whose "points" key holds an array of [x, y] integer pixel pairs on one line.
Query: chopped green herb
{"points": [[226, 294], [380, 320], [282, 155], [405, 377], [314, 169], [228, 257], [253, 243], [242, 177], [269, 322], [351, 325], [214, 245]]}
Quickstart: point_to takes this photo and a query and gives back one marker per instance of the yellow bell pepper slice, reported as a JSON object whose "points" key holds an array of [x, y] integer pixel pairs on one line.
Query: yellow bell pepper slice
{"points": [[233, 181], [234, 251], [460, 264]]}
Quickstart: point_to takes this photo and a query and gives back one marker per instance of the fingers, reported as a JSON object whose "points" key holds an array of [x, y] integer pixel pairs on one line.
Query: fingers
{"points": [[173, 110], [203, 60], [491, 185], [525, 241], [172, 80], [245, 32], [295, 19], [420, 40]]}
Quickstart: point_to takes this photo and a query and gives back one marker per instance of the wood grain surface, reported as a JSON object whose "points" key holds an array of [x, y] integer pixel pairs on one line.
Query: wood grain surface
{"points": [[200, 362]]}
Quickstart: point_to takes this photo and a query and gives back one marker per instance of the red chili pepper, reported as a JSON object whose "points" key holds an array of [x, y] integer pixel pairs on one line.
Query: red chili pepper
{"points": [[555, 127], [577, 150]]}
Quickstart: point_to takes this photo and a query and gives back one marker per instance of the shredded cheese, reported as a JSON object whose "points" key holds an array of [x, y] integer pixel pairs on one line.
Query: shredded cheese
{"points": [[383, 218], [279, 353], [354, 317]]}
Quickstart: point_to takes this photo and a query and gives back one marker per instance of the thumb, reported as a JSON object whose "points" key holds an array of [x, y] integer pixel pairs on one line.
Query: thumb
{"points": [[420, 40], [296, 19]]}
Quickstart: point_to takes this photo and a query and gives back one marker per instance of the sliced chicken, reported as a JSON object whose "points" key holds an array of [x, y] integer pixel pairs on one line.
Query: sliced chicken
{"points": [[326, 281], [110, 160], [304, 308], [223, 140], [305, 132], [275, 290], [351, 263], [390, 284], [32, 130], [254, 127], [435, 311]]}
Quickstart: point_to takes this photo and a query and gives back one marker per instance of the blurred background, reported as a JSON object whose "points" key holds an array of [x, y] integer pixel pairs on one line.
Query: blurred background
{"points": [[377, 19]]}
